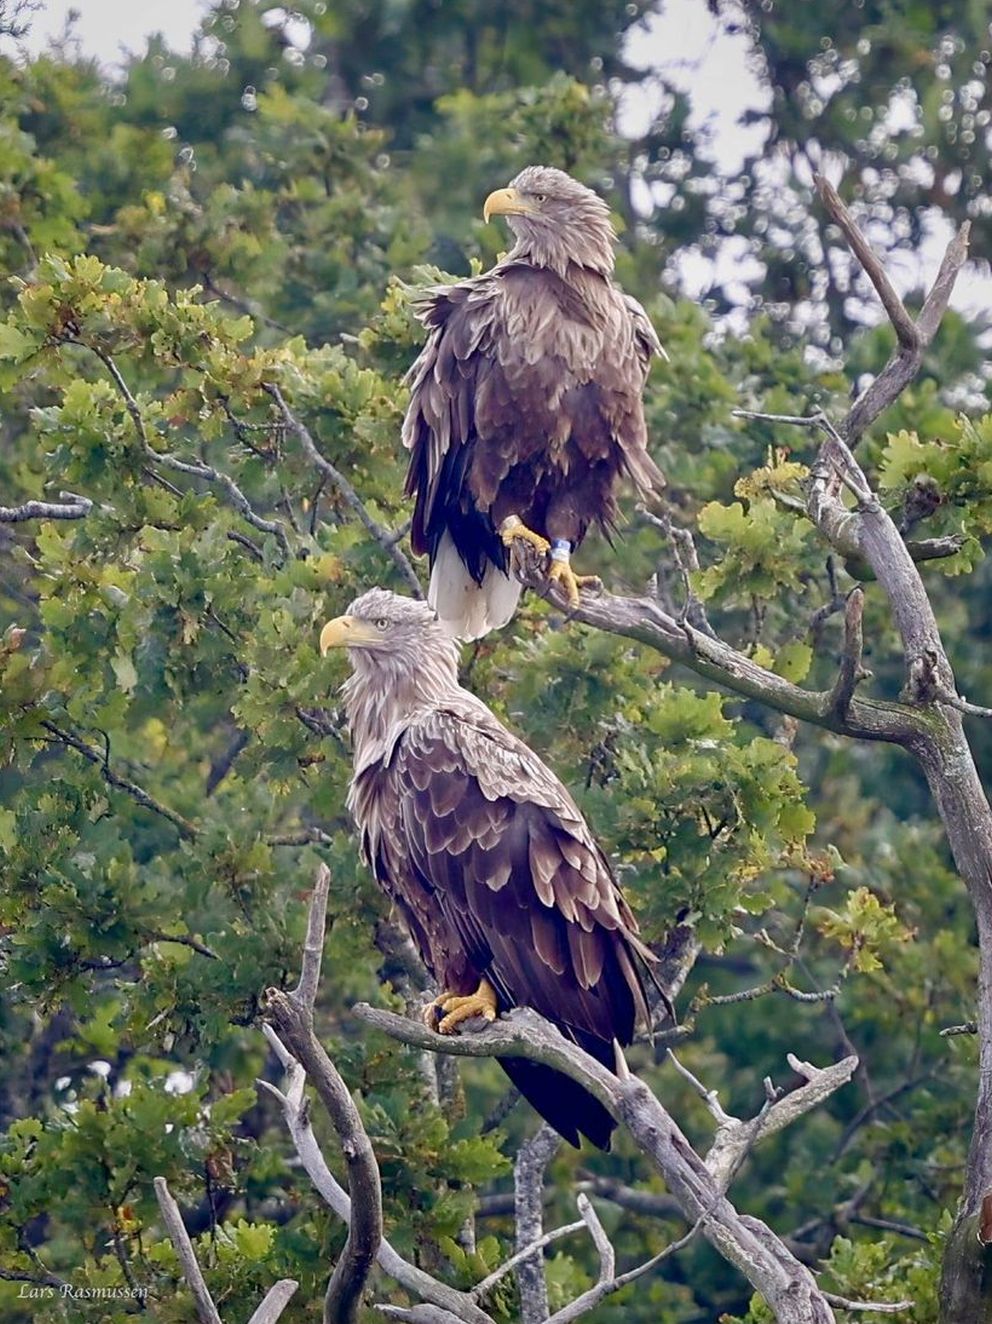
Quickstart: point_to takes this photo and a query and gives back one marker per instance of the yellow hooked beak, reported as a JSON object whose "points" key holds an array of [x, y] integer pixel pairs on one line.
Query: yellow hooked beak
{"points": [[345, 632], [505, 202]]}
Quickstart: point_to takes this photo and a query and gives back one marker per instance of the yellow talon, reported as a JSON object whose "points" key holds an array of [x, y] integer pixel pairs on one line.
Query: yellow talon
{"points": [[561, 573], [513, 527], [483, 1002]]}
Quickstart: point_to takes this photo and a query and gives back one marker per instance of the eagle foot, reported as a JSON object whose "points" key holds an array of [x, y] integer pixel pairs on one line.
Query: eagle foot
{"points": [[562, 574], [513, 528], [456, 1009]]}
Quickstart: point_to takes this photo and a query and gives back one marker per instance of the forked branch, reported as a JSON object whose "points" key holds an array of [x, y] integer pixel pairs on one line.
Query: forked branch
{"points": [[913, 337], [787, 1286], [292, 1015]]}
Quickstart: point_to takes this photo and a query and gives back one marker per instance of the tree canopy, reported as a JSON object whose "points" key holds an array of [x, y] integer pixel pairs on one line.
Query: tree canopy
{"points": [[204, 332]]}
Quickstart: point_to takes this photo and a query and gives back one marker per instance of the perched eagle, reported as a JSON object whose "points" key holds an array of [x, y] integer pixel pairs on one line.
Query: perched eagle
{"points": [[485, 855], [526, 403]]}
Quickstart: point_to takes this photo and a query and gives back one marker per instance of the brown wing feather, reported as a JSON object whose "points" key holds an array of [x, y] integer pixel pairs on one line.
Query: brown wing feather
{"points": [[526, 400], [518, 877]]}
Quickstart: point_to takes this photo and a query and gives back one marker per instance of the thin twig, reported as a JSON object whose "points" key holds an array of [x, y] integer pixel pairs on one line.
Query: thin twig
{"points": [[136, 792], [485, 1286], [193, 468], [154, 935], [384, 537], [709, 1097], [879, 1307]]}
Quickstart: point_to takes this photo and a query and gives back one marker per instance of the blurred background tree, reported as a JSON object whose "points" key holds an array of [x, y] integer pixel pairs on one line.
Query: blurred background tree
{"points": [[172, 764]]}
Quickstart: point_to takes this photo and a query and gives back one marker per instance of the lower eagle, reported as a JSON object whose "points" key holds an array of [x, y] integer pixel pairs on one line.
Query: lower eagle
{"points": [[484, 853]]}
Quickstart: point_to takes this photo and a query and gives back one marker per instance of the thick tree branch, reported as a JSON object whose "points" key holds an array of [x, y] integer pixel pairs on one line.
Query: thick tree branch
{"points": [[292, 1015], [531, 1162], [646, 620], [384, 537], [786, 1285], [69, 506]]}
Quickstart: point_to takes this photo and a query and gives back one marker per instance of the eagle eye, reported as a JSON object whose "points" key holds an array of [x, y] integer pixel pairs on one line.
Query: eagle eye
{"points": [[540, 197], [382, 623]]}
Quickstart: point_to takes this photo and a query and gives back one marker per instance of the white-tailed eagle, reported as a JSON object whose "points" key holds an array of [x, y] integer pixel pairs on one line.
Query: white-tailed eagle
{"points": [[485, 855], [526, 403]]}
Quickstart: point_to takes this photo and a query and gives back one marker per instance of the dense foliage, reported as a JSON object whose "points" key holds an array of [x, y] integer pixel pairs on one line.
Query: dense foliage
{"points": [[200, 240]]}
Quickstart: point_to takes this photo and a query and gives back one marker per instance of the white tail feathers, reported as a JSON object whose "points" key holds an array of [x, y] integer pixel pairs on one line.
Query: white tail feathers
{"points": [[470, 610]]}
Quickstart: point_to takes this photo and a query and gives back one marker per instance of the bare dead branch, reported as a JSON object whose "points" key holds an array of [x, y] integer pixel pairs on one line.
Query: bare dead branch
{"points": [[184, 939], [646, 620], [313, 944], [423, 1314], [686, 559], [709, 1097], [590, 1299], [277, 1298], [648, 1203], [750, 1245], [308, 836], [292, 1101], [879, 1307], [913, 337], [904, 326], [383, 536], [852, 669], [604, 1247], [890, 1225], [532, 1248], [734, 1139], [531, 1162], [969, 1027], [69, 506], [206, 1311], [292, 1014]]}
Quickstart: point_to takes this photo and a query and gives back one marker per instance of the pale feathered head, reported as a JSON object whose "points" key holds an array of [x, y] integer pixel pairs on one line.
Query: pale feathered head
{"points": [[556, 220], [398, 640]]}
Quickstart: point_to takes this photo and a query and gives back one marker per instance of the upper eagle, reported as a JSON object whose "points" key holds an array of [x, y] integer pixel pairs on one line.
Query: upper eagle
{"points": [[526, 402], [485, 854]]}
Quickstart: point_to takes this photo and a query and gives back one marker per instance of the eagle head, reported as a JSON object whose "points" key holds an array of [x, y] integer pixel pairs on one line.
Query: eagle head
{"points": [[555, 219], [382, 625]]}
